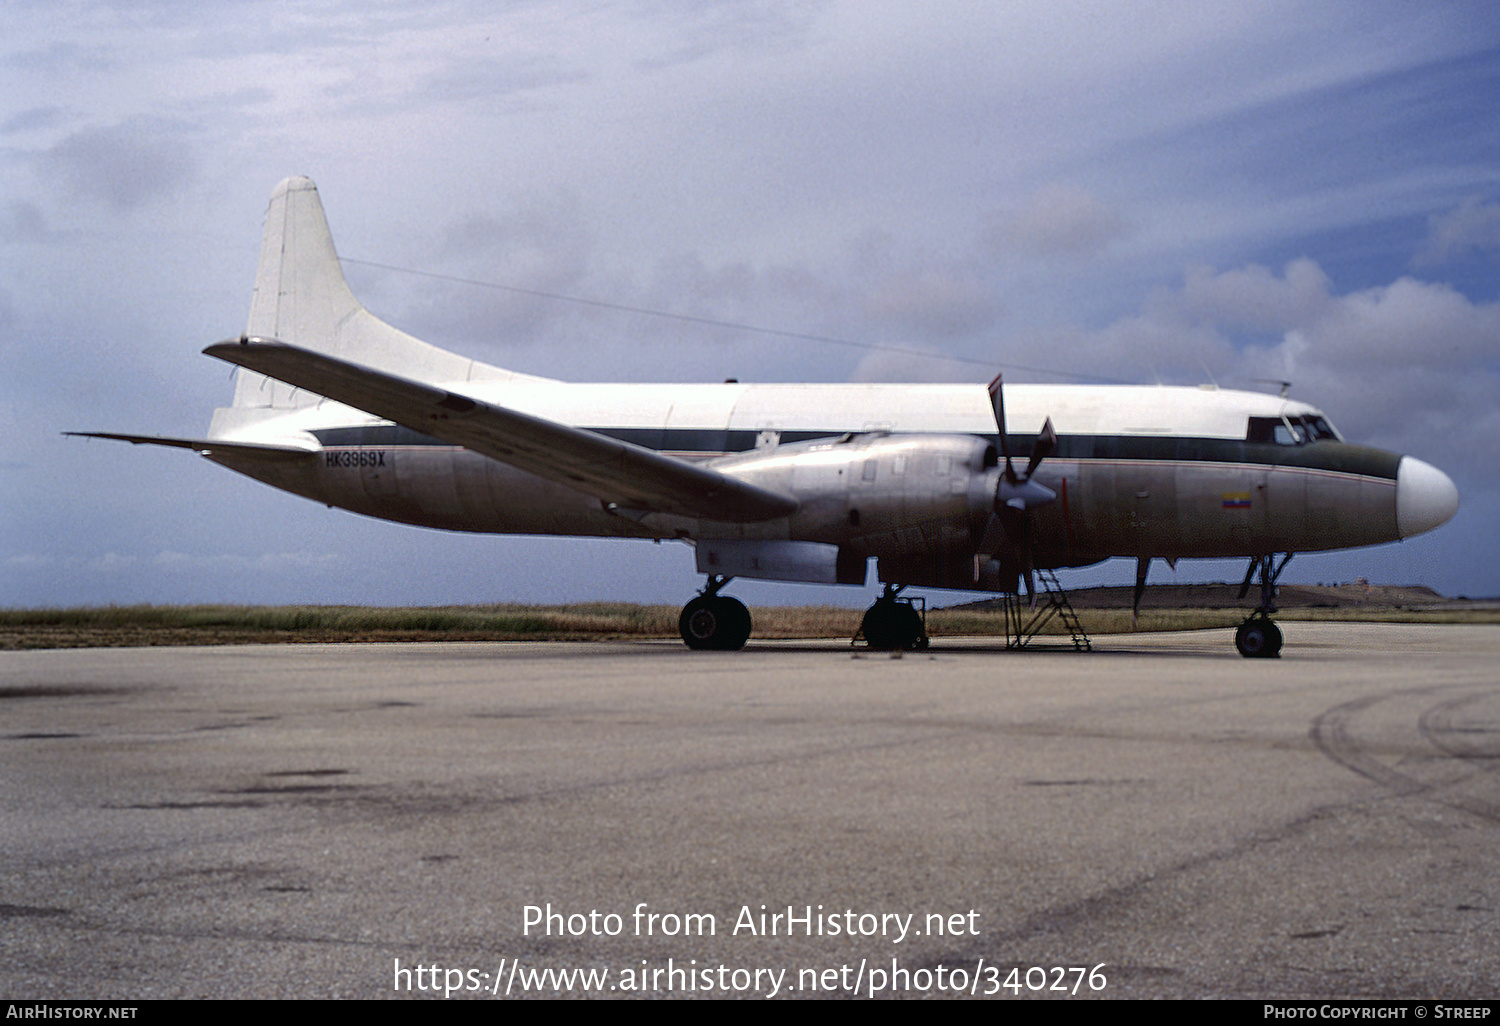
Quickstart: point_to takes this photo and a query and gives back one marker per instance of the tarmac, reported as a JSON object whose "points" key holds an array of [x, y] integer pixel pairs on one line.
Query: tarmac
{"points": [[1157, 818]]}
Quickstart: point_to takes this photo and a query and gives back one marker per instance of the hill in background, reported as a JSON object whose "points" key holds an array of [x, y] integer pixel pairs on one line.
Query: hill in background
{"points": [[1221, 595]]}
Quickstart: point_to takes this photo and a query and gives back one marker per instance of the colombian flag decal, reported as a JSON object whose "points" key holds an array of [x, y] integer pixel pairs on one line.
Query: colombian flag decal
{"points": [[1236, 500]]}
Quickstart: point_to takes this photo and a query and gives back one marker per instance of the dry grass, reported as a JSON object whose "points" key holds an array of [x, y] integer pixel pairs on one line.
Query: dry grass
{"points": [[233, 625], [130, 626]]}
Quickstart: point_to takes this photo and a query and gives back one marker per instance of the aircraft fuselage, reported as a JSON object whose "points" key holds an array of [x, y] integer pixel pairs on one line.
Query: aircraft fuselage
{"points": [[903, 473]]}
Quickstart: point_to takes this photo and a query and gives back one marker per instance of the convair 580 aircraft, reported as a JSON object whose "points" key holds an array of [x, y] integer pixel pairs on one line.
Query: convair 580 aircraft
{"points": [[787, 482]]}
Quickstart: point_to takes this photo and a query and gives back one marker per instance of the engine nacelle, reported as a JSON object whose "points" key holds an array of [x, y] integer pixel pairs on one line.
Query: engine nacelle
{"points": [[921, 499]]}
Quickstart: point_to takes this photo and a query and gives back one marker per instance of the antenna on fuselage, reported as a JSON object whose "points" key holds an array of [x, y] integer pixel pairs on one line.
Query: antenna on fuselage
{"points": [[1284, 386], [1204, 364]]}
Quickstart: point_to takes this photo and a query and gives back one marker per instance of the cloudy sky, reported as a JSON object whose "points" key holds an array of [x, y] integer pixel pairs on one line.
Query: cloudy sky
{"points": [[1143, 192]]}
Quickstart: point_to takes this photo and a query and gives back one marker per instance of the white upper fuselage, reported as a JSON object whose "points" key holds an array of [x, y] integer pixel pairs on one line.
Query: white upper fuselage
{"points": [[829, 408]]}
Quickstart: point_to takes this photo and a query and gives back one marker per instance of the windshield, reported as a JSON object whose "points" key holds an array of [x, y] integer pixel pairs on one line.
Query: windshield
{"points": [[1291, 430], [1318, 427]]}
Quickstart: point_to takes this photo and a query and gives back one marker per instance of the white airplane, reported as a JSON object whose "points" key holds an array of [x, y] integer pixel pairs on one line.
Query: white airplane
{"points": [[790, 482]]}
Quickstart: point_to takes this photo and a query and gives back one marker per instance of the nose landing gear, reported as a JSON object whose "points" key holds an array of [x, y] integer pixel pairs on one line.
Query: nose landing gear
{"points": [[1259, 637], [714, 622]]}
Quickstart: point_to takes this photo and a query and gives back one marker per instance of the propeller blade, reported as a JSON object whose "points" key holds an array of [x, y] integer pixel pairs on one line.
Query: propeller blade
{"points": [[1046, 444], [1016, 495], [1015, 522], [997, 403]]}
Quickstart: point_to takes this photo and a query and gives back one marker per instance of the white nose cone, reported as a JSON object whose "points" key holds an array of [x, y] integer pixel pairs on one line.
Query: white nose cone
{"points": [[1425, 497]]}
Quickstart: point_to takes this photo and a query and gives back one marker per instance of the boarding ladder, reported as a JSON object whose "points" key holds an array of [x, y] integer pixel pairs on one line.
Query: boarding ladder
{"points": [[1053, 603]]}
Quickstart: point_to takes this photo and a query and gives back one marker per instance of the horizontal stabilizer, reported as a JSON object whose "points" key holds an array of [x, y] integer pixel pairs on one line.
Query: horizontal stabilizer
{"points": [[631, 477], [206, 446]]}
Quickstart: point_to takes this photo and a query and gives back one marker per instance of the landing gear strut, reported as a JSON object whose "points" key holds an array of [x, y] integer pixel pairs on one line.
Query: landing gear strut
{"points": [[715, 622], [893, 623], [1259, 637]]}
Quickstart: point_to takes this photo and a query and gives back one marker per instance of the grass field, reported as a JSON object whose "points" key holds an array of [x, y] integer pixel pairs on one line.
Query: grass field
{"points": [[126, 626]]}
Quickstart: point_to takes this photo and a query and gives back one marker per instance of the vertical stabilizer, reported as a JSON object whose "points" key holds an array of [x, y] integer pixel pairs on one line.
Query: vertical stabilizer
{"points": [[301, 298], [300, 293]]}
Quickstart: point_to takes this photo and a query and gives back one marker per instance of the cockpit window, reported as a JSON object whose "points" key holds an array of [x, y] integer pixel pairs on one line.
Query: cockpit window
{"points": [[1264, 429], [1290, 430], [1319, 428]]}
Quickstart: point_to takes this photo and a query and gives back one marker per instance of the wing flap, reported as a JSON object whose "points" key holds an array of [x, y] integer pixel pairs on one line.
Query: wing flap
{"points": [[618, 473]]}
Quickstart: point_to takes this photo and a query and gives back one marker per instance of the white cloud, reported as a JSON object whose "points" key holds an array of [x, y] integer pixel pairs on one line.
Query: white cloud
{"points": [[1057, 221], [910, 364], [1410, 366], [1473, 225], [21, 221], [931, 302], [112, 561], [30, 560], [267, 562], [125, 165], [1253, 298]]}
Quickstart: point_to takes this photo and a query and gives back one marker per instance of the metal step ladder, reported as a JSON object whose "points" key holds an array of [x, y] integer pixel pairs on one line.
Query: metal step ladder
{"points": [[1054, 603]]}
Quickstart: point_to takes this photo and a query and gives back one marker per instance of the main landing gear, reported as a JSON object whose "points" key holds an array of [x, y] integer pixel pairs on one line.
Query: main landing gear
{"points": [[893, 623], [715, 622], [1259, 637]]}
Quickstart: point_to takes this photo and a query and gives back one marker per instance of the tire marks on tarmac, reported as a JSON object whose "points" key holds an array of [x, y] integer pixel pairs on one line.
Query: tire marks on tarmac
{"points": [[1423, 742]]}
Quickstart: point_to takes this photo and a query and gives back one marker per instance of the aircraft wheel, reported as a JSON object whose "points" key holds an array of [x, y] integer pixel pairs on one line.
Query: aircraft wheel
{"points": [[888, 626], [1274, 633], [913, 636], [714, 623], [737, 623], [1258, 638]]}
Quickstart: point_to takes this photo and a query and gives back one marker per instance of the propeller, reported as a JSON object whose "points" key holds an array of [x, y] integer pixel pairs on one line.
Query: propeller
{"points": [[1016, 495]]}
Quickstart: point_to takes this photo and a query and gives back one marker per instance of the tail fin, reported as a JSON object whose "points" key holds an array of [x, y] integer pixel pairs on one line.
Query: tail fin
{"points": [[301, 297]]}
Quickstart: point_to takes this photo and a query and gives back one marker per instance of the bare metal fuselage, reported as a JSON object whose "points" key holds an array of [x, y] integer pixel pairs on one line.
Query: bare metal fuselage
{"points": [[906, 474]]}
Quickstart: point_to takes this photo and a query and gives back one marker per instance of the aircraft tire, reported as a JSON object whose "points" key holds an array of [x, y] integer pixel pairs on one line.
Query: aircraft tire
{"points": [[1258, 638], [737, 623], [714, 623], [913, 636], [878, 627], [889, 625]]}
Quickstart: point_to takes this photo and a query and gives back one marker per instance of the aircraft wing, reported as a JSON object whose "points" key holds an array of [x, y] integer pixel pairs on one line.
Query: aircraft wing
{"points": [[631, 477], [206, 446]]}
